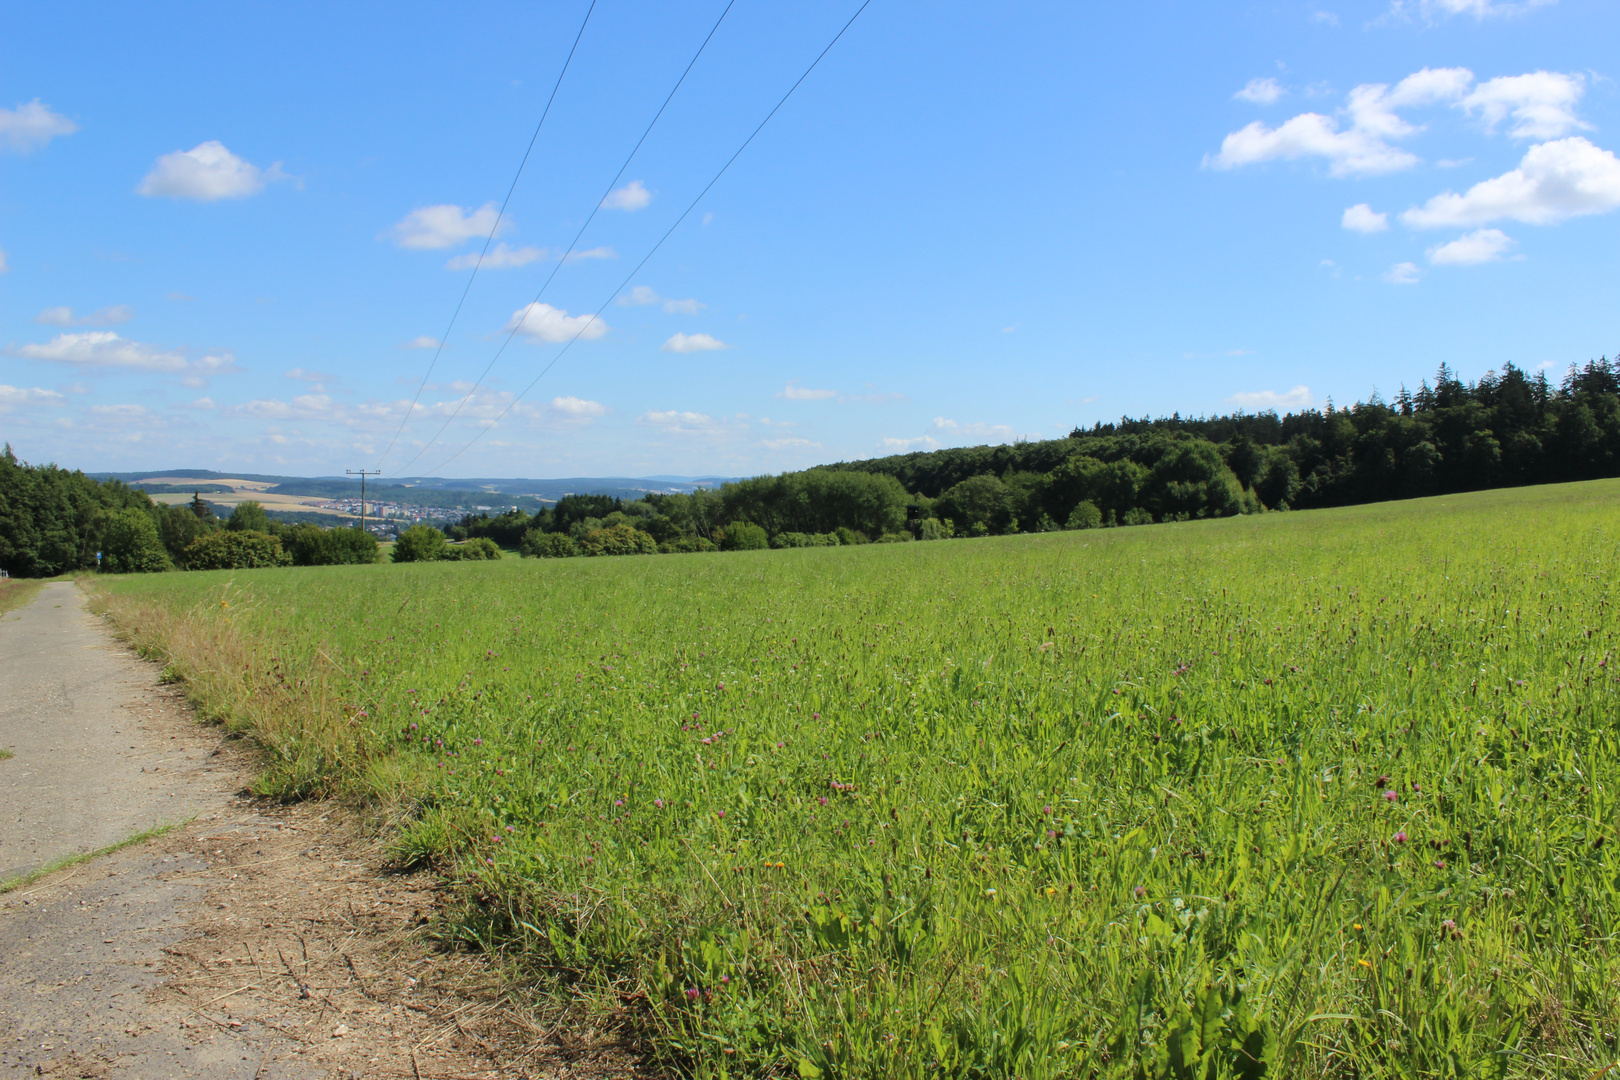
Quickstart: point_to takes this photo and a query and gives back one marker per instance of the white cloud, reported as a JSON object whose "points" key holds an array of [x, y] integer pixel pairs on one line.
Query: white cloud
{"points": [[578, 408], [1555, 180], [445, 225], [423, 342], [690, 343], [642, 295], [1372, 106], [14, 396], [500, 257], [1311, 135], [121, 412], [316, 379], [973, 430], [1434, 10], [630, 197], [1403, 273], [542, 322], [1260, 91], [1471, 249], [1541, 103], [674, 422], [1362, 147], [591, 253], [1271, 401], [804, 393], [107, 316], [1362, 218], [30, 126], [103, 348], [203, 403], [927, 442], [206, 172]]}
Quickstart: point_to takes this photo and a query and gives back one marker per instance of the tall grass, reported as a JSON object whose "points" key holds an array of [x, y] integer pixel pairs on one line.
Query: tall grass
{"points": [[1305, 794]]}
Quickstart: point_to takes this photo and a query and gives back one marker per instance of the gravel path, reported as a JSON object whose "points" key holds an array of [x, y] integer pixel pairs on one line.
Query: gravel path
{"points": [[78, 711]]}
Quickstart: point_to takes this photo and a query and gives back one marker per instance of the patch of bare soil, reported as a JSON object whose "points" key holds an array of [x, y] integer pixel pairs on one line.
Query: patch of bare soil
{"points": [[303, 934]]}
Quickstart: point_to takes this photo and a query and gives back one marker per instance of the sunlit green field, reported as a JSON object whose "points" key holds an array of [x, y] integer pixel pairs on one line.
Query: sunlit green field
{"points": [[1327, 793]]}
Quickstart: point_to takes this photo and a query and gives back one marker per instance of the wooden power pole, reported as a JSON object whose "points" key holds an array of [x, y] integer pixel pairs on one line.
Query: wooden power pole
{"points": [[362, 474]]}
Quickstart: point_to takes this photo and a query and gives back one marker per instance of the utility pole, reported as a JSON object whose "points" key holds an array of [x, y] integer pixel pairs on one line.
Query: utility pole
{"points": [[362, 474]]}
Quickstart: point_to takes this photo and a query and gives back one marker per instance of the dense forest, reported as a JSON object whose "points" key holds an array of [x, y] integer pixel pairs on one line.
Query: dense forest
{"points": [[55, 521], [1507, 428]]}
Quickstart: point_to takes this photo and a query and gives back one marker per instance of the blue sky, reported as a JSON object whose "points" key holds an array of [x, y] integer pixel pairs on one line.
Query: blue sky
{"points": [[228, 230]]}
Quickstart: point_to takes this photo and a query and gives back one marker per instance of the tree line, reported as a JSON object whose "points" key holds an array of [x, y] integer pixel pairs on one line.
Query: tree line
{"points": [[56, 521], [1507, 428]]}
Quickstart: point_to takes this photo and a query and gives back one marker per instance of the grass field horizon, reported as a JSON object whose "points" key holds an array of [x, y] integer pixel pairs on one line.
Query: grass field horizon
{"points": [[1326, 792]]}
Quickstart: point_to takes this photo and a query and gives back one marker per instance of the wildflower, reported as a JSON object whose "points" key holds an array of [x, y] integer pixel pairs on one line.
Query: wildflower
{"points": [[1046, 809], [722, 813], [1400, 837], [1140, 891], [510, 829], [658, 803], [692, 993], [1448, 925], [823, 800], [413, 727], [1383, 782], [618, 802], [478, 742], [1389, 796], [1439, 864]]}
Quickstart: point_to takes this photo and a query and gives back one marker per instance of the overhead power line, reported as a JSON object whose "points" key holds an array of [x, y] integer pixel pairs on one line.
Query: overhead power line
{"points": [[684, 215], [517, 322], [439, 348]]}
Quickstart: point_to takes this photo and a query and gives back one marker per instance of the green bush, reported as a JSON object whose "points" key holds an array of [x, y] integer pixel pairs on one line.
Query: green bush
{"points": [[850, 536], [224, 550], [131, 545], [1137, 516], [1085, 516], [419, 543], [311, 545], [543, 545], [934, 529], [801, 539], [618, 540], [745, 536], [478, 549], [687, 545], [896, 538]]}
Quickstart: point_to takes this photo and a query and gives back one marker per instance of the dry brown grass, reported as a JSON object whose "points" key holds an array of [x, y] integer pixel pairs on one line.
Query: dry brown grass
{"points": [[296, 714], [16, 592]]}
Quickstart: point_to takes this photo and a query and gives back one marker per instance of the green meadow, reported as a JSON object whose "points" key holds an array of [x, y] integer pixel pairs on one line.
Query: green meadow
{"points": [[1327, 793]]}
